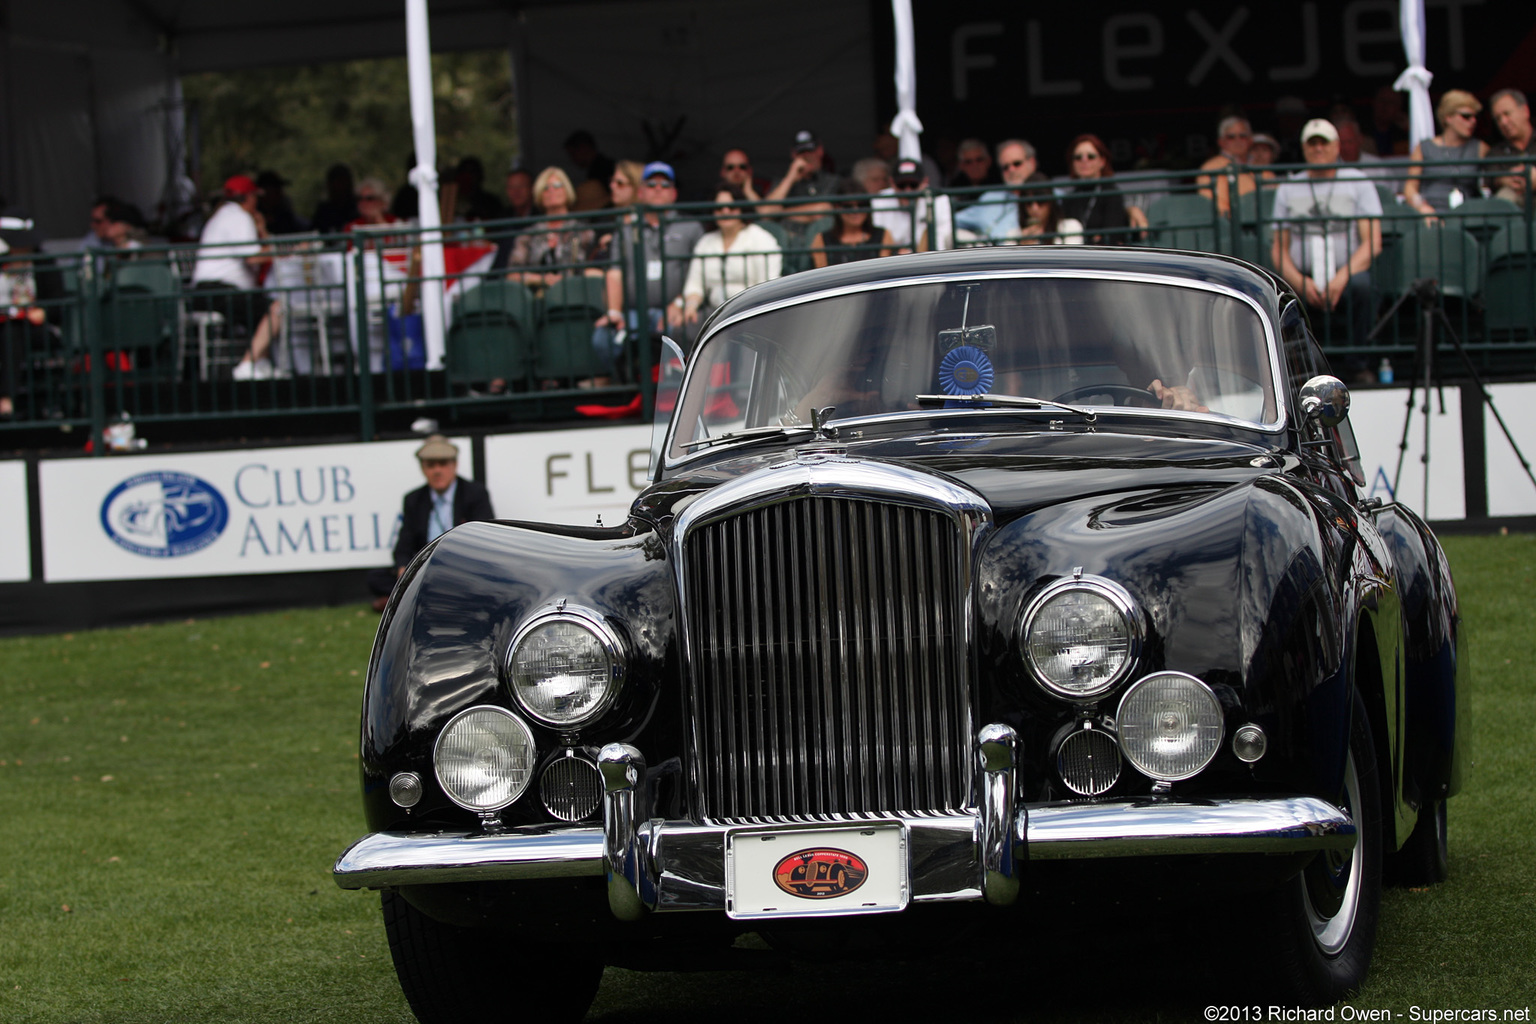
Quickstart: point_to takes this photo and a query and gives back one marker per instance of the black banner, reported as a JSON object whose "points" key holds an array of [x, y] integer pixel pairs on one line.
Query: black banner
{"points": [[1153, 79]]}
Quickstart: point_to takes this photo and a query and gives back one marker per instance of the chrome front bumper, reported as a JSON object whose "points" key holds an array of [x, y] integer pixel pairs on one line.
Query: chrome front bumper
{"points": [[660, 865]]}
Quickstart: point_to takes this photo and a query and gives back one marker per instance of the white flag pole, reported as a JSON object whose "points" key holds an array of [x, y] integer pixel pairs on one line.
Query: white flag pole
{"points": [[906, 127], [418, 49], [1415, 80]]}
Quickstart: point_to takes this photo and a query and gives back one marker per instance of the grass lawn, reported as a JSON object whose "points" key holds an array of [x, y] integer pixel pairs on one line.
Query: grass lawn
{"points": [[174, 796]]}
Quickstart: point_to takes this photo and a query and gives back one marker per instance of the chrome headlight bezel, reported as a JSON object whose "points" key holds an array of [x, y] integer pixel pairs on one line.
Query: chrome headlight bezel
{"points": [[1130, 743], [606, 637], [1118, 598], [519, 727]]}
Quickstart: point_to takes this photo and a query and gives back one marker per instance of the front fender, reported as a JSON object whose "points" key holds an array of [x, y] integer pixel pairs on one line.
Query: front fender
{"points": [[1237, 585], [443, 642]]}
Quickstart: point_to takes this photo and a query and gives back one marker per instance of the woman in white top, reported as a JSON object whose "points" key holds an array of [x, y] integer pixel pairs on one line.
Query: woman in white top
{"points": [[726, 261]]}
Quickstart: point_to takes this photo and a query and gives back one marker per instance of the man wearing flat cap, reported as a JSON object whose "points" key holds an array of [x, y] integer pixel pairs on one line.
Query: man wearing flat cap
{"points": [[445, 501]]}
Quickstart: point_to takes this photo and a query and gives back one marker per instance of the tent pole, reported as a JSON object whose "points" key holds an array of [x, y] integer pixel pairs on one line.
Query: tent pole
{"points": [[418, 48], [1416, 78], [906, 127]]}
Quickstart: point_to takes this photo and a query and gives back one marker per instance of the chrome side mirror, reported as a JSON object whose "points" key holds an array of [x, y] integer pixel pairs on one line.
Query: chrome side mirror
{"points": [[1324, 399]]}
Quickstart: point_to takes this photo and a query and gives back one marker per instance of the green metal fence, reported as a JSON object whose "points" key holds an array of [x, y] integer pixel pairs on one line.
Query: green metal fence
{"points": [[558, 317]]}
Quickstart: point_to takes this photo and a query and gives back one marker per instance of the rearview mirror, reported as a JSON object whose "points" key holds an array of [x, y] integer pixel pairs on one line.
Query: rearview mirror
{"points": [[982, 336]]}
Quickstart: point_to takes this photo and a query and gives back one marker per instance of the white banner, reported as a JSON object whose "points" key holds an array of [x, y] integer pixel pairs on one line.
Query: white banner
{"points": [[226, 513], [15, 524], [568, 477], [1510, 492], [1377, 416]]}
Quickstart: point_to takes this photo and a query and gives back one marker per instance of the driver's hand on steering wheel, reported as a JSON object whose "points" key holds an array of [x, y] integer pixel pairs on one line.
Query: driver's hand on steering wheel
{"points": [[1176, 397]]}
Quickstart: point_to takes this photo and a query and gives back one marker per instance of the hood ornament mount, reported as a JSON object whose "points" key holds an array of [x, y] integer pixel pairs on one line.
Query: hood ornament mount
{"points": [[820, 424]]}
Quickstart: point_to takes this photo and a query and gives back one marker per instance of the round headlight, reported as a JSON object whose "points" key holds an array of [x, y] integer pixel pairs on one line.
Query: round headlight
{"points": [[484, 758], [1170, 725], [565, 666], [1079, 636]]}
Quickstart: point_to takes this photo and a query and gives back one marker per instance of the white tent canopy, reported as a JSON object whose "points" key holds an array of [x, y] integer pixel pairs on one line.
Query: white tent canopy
{"points": [[90, 96]]}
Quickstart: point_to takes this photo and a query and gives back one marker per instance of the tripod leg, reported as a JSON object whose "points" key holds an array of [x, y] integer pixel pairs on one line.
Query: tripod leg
{"points": [[1487, 399], [1402, 442]]}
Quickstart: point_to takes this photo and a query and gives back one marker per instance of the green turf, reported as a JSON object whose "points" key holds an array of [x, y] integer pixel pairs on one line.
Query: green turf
{"points": [[173, 797]]}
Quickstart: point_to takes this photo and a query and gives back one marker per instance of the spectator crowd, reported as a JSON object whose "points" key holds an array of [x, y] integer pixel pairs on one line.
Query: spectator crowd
{"points": [[605, 218]]}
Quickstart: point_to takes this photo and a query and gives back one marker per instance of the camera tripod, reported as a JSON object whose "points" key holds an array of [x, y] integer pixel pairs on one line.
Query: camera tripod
{"points": [[1426, 294]]}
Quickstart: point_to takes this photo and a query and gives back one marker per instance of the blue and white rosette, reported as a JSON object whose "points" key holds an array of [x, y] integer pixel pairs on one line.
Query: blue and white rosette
{"points": [[965, 370]]}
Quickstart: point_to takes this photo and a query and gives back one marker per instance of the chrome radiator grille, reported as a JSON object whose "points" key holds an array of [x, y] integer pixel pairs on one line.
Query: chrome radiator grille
{"points": [[828, 673]]}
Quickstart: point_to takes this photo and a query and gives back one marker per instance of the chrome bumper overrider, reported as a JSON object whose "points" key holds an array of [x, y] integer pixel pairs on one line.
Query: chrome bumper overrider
{"points": [[660, 865]]}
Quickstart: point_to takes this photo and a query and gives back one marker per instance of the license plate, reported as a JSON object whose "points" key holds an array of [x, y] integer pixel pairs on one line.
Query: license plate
{"points": [[809, 872]]}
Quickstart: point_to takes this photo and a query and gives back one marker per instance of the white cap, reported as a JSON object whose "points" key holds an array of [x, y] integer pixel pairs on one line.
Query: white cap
{"points": [[1318, 126]]}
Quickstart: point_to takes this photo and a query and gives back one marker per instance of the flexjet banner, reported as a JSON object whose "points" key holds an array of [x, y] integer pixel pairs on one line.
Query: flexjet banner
{"points": [[570, 477], [269, 510], [1153, 78]]}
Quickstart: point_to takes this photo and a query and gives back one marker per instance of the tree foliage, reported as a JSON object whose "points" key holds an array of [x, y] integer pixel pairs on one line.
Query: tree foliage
{"points": [[300, 121]]}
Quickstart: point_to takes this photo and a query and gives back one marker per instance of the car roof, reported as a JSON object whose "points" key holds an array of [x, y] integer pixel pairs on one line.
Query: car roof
{"points": [[1214, 269]]}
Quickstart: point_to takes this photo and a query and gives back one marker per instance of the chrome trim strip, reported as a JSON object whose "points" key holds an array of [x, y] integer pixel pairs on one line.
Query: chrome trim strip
{"points": [[690, 858], [627, 863], [1002, 830], [1282, 409], [1130, 828], [385, 859]]}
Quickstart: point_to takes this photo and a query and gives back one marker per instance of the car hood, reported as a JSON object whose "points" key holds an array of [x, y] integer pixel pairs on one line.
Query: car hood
{"points": [[1017, 473]]}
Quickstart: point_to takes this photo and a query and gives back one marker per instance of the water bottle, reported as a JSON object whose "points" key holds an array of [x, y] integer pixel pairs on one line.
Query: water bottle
{"points": [[1384, 371]]}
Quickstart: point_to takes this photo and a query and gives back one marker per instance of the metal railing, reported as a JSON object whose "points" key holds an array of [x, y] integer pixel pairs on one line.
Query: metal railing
{"points": [[90, 337]]}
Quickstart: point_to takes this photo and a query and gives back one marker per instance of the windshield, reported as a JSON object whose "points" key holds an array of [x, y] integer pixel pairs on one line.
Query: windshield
{"points": [[1092, 343]]}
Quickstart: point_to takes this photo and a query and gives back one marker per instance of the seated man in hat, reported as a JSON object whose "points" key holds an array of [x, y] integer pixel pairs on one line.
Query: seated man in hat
{"points": [[446, 500]]}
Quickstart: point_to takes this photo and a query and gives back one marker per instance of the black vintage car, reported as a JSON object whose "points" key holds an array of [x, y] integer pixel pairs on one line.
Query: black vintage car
{"points": [[956, 569]]}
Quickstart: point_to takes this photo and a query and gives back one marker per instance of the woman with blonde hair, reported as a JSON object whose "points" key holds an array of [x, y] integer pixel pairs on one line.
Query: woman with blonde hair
{"points": [[555, 244], [1428, 189]]}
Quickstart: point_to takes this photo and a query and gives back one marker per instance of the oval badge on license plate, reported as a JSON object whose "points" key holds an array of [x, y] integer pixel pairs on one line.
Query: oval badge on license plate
{"points": [[817, 871], [820, 874]]}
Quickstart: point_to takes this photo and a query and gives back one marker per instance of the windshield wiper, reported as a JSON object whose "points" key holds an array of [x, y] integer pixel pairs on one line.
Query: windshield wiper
{"points": [[1007, 401], [775, 430]]}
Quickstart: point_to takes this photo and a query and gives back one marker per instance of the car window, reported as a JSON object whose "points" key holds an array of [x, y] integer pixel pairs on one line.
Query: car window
{"points": [[1091, 342]]}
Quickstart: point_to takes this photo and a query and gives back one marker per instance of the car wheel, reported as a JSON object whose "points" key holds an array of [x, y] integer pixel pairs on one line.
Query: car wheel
{"points": [[1423, 858], [451, 975], [1326, 916]]}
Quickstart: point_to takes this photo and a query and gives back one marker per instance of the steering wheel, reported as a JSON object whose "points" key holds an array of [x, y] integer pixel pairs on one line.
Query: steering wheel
{"points": [[1124, 394]]}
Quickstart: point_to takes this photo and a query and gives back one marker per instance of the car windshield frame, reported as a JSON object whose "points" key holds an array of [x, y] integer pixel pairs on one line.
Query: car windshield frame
{"points": [[1275, 404]]}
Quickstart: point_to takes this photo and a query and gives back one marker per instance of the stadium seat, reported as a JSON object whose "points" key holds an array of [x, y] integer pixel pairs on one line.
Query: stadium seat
{"points": [[1183, 222], [571, 308], [491, 333], [1509, 284]]}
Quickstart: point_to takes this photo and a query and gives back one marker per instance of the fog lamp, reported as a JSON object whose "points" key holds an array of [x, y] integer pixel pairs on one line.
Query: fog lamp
{"points": [[565, 666], [484, 758], [1170, 725]]}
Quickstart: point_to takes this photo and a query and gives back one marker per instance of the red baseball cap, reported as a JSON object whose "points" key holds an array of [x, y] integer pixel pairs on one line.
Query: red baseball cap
{"points": [[240, 185]]}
